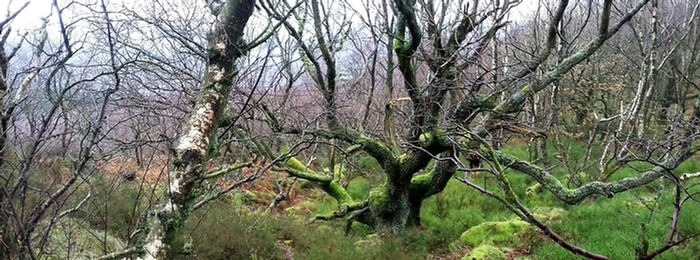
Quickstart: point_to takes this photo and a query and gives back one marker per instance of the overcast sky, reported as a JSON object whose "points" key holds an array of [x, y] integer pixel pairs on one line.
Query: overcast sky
{"points": [[31, 17]]}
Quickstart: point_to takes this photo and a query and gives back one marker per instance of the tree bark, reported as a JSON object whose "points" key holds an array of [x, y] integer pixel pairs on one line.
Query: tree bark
{"points": [[191, 151]]}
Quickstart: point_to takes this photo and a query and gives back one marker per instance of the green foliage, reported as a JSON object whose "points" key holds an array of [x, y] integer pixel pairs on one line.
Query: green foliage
{"points": [[367, 163], [228, 229], [72, 238], [548, 214], [612, 227], [222, 232], [115, 208]]}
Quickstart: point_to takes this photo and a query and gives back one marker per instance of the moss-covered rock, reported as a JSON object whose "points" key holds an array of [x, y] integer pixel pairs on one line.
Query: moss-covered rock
{"points": [[495, 232], [368, 163], [485, 252], [548, 214]]}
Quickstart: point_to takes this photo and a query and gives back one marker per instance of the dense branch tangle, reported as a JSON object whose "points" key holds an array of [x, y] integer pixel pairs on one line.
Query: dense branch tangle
{"points": [[435, 134], [447, 100], [396, 204], [192, 149]]}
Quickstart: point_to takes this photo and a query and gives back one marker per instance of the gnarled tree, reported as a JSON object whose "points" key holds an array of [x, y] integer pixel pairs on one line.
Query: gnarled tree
{"points": [[459, 99]]}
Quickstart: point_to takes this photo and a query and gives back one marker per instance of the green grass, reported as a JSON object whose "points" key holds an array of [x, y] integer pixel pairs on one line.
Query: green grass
{"points": [[612, 227], [220, 232]]}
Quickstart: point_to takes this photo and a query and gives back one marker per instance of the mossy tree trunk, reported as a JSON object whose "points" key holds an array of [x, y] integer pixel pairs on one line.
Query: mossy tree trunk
{"points": [[436, 135], [395, 204]]}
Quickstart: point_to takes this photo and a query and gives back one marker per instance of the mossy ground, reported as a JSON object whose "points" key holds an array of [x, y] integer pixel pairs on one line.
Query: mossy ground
{"points": [[485, 252], [496, 232], [237, 228]]}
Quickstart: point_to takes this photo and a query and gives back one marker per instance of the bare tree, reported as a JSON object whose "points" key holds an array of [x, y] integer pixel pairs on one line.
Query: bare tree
{"points": [[191, 152]]}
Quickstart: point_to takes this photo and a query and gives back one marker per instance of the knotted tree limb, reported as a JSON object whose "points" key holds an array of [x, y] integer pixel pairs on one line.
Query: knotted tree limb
{"points": [[375, 148], [608, 189], [327, 183], [346, 204]]}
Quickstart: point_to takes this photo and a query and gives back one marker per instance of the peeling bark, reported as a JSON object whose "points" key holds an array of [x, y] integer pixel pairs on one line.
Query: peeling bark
{"points": [[191, 150]]}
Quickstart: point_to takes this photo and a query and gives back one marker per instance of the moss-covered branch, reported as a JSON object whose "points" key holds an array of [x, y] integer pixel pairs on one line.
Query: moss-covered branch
{"points": [[329, 185], [409, 20], [342, 211], [574, 196], [429, 145], [227, 170], [375, 148], [433, 182], [405, 49]]}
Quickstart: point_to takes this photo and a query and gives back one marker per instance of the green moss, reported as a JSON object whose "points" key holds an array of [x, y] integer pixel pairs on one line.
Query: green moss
{"points": [[420, 180], [378, 197], [301, 209], [368, 163], [295, 164], [426, 137], [548, 213], [336, 190], [534, 190], [402, 158], [359, 188], [285, 149], [243, 198], [485, 252], [494, 232], [437, 136], [339, 171]]}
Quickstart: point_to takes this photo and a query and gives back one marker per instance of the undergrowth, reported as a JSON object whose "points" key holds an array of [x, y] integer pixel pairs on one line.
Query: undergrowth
{"points": [[232, 229]]}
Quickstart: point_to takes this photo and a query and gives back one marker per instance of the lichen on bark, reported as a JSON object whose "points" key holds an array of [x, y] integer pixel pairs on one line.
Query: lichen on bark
{"points": [[196, 137]]}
